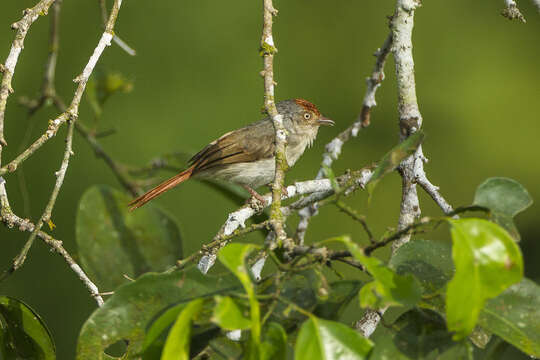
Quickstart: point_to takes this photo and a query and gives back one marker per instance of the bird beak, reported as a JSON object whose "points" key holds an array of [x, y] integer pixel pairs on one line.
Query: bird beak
{"points": [[325, 121]]}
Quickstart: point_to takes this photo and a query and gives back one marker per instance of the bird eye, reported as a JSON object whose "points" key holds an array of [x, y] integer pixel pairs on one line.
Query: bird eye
{"points": [[307, 116]]}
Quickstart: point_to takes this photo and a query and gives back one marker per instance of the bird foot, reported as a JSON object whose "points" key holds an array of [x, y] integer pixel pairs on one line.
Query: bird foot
{"points": [[284, 191]]}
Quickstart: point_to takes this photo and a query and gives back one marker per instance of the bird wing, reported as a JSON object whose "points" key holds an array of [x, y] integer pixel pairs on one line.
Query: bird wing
{"points": [[251, 143]]}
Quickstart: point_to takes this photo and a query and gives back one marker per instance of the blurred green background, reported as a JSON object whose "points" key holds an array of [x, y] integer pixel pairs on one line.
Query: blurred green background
{"points": [[196, 76]]}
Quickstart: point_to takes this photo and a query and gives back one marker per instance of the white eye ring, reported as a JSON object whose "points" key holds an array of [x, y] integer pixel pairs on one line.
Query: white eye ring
{"points": [[307, 116]]}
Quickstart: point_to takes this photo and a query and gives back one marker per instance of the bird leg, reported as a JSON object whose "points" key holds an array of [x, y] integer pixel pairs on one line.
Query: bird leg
{"points": [[256, 201], [284, 191]]}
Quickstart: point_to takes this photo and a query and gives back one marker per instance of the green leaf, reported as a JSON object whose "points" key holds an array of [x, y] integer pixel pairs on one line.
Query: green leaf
{"points": [[233, 256], [515, 316], [23, 334], [177, 344], [113, 241], [228, 314], [274, 345], [127, 314], [429, 261], [388, 288], [394, 157], [487, 262], [418, 335], [160, 325], [340, 295], [505, 198], [320, 339]]}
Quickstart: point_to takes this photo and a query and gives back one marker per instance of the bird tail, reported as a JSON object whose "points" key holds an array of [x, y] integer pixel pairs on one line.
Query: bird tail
{"points": [[161, 188]]}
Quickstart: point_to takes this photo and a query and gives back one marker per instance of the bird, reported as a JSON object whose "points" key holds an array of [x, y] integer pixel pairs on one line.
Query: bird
{"points": [[246, 156]]}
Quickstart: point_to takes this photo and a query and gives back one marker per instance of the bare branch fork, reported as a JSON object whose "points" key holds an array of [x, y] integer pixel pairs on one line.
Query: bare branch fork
{"points": [[69, 115], [333, 148]]}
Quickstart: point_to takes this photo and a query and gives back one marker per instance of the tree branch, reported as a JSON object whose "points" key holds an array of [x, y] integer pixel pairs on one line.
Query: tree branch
{"points": [[511, 11], [22, 26], [333, 148], [11, 220], [318, 189], [268, 50]]}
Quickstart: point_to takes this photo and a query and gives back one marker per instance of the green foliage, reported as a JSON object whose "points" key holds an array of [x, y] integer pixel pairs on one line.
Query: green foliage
{"points": [[127, 314], [178, 341], [387, 288], [505, 198], [394, 157], [515, 316], [487, 262], [113, 241], [23, 334], [229, 315], [320, 339], [418, 335], [448, 292]]}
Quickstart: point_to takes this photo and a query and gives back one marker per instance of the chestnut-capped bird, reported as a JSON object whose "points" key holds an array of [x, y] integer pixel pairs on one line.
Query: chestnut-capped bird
{"points": [[247, 156]]}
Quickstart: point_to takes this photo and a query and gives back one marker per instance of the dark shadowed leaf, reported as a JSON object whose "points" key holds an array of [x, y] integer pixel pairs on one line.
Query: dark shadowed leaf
{"points": [[429, 261], [178, 341], [23, 334], [340, 295], [394, 157], [505, 198], [113, 241], [515, 316], [418, 335], [229, 315], [127, 314], [274, 345], [320, 339], [387, 288], [487, 262]]}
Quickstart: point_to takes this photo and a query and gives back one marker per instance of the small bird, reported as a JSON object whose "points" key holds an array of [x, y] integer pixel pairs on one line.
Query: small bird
{"points": [[247, 156]]}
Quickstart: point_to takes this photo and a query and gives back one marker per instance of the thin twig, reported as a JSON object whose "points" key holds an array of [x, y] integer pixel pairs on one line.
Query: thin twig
{"points": [[333, 148], [47, 213], [73, 109], [11, 220], [356, 216], [104, 15], [22, 26], [268, 49]]}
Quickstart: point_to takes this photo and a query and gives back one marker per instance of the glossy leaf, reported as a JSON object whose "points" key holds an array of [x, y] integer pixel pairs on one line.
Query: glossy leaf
{"points": [[177, 344], [418, 335], [274, 345], [113, 241], [487, 262], [387, 288], [515, 316], [23, 334], [234, 256], [394, 157], [505, 198], [129, 312], [229, 315], [161, 324], [429, 261], [320, 339]]}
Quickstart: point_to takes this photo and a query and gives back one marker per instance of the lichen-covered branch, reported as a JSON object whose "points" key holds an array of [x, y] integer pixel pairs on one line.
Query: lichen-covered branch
{"points": [[11, 220], [511, 11], [268, 50], [22, 26], [317, 189], [333, 148], [73, 109]]}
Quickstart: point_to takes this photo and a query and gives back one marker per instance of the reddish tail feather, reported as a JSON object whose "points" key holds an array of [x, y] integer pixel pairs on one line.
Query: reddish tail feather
{"points": [[160, 189]]}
